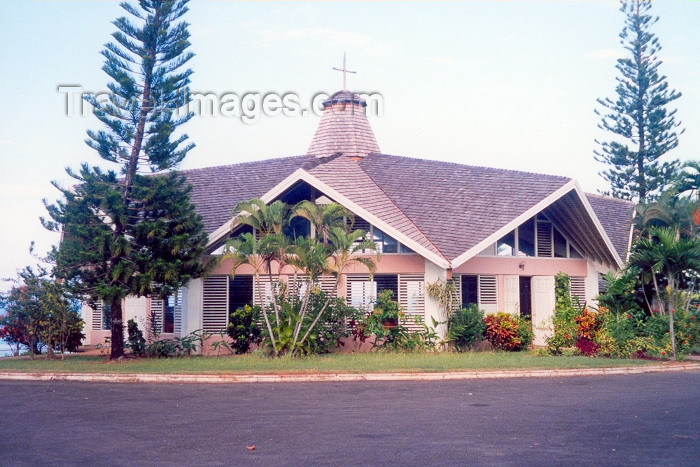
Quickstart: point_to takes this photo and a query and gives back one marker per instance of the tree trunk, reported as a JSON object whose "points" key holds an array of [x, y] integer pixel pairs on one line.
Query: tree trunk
{"points": [[117, 338], [670, 310]]}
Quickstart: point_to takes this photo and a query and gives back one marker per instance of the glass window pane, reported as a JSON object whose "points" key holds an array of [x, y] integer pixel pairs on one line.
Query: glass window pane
{"points": [[559, 245], [506, 245], [470, 290], [573, 253], [390, 245], [387, 282], [240, 292], [169, 314], [106, 316], [298, 227], [385, 243], [526, 238]]}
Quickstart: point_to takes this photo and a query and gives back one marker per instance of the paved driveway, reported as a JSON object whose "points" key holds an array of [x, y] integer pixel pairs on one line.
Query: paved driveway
{"points": [[650, 419]]}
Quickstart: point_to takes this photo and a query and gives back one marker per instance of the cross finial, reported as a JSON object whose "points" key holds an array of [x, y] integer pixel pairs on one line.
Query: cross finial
{"points": [[344, 70]]}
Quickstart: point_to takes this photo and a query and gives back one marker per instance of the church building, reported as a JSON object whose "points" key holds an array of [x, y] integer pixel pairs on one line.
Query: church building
{"points": [[500, 235]]}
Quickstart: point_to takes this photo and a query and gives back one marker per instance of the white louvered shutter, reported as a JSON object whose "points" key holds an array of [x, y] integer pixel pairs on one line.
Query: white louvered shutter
{"points": [[488, 294], [412, 298], [156, 314], [97, 316], [215, 303], [264, 287], [545, 247], [177, 325], [578, 289], [360, 292], [328, 285], [456, 292], [489, 251]]}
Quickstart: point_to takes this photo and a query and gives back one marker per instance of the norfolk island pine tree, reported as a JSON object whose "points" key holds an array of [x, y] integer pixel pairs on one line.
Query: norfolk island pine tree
{"points": [[132, 234], [644, 130]]}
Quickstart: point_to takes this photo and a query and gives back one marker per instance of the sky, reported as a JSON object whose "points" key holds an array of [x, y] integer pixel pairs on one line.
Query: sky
{"points": [[507, 84]]}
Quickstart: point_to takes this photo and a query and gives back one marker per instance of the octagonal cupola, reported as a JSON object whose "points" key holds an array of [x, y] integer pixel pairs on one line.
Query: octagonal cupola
{"points": [[344, 128]]}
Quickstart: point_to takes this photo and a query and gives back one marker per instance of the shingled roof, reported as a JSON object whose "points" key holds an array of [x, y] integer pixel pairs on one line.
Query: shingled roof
{"points": [[344, 128], [217, 190], [444, 210], [457, 206], [349, 179], [616, 217]]}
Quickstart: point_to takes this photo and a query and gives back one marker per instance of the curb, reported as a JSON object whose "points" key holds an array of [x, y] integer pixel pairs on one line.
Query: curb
{"points": [[341, 377]]}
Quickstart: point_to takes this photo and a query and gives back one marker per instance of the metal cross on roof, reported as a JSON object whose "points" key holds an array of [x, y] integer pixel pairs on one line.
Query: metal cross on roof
{"points": [[344, 70]]}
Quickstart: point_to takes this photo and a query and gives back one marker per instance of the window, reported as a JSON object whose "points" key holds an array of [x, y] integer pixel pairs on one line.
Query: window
{"points": [[106, 316], [298, 227], [385, 243], [536, 237], [578, 290], [560, 250], [215, 303], [506, 245], [412, 298], [240, 292], [406, 250], [470, 290], [222, 295], [488, 294], [408, 289], [387, 282], [573, 253], [360, 292], [169, 315], [480, 290], [545, 248], [526, 239]]}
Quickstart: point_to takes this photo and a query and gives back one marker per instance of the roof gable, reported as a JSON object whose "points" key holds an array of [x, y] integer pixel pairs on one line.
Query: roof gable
{"points": [[458, 206], [616, 217], [217, 190], [445, 211]]}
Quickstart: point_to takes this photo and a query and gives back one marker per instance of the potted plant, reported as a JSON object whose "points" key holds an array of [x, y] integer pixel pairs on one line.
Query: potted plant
{"points": [[386, 310]]}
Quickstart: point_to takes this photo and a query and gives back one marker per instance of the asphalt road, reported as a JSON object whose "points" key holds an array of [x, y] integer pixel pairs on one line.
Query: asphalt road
{"points": [[649, 419]]}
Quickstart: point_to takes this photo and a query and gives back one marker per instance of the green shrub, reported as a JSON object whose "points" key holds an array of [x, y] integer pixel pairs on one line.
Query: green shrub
{"points": [[466, 327], [686, 327], [387, 323], [178, 347], [242, 328], [564, 319], [326, 334], [135, 341]]}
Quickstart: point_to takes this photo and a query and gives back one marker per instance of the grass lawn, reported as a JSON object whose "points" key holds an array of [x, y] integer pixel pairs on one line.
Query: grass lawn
{"points": [[332, 363]]}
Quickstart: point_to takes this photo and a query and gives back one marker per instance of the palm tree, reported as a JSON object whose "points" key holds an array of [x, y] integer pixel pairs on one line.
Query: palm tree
{"points": [[267, 221], [264, 218], [343, 250], [689, 179], [244, 249], [669, 211], [664, 253], [316, 259], [322, 217]]}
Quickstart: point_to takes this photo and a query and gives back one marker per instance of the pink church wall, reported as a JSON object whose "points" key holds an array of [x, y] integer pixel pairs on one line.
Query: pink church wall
{"points": [[389, 263], [531, 266]]}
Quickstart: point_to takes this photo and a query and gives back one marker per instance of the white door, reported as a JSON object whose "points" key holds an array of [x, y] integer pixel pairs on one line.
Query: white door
{"points": [[511, 286], [542, 307]]}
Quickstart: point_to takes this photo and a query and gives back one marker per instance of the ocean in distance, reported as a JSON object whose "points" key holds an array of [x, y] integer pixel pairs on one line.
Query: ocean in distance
{"points": [[5, 350]]}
